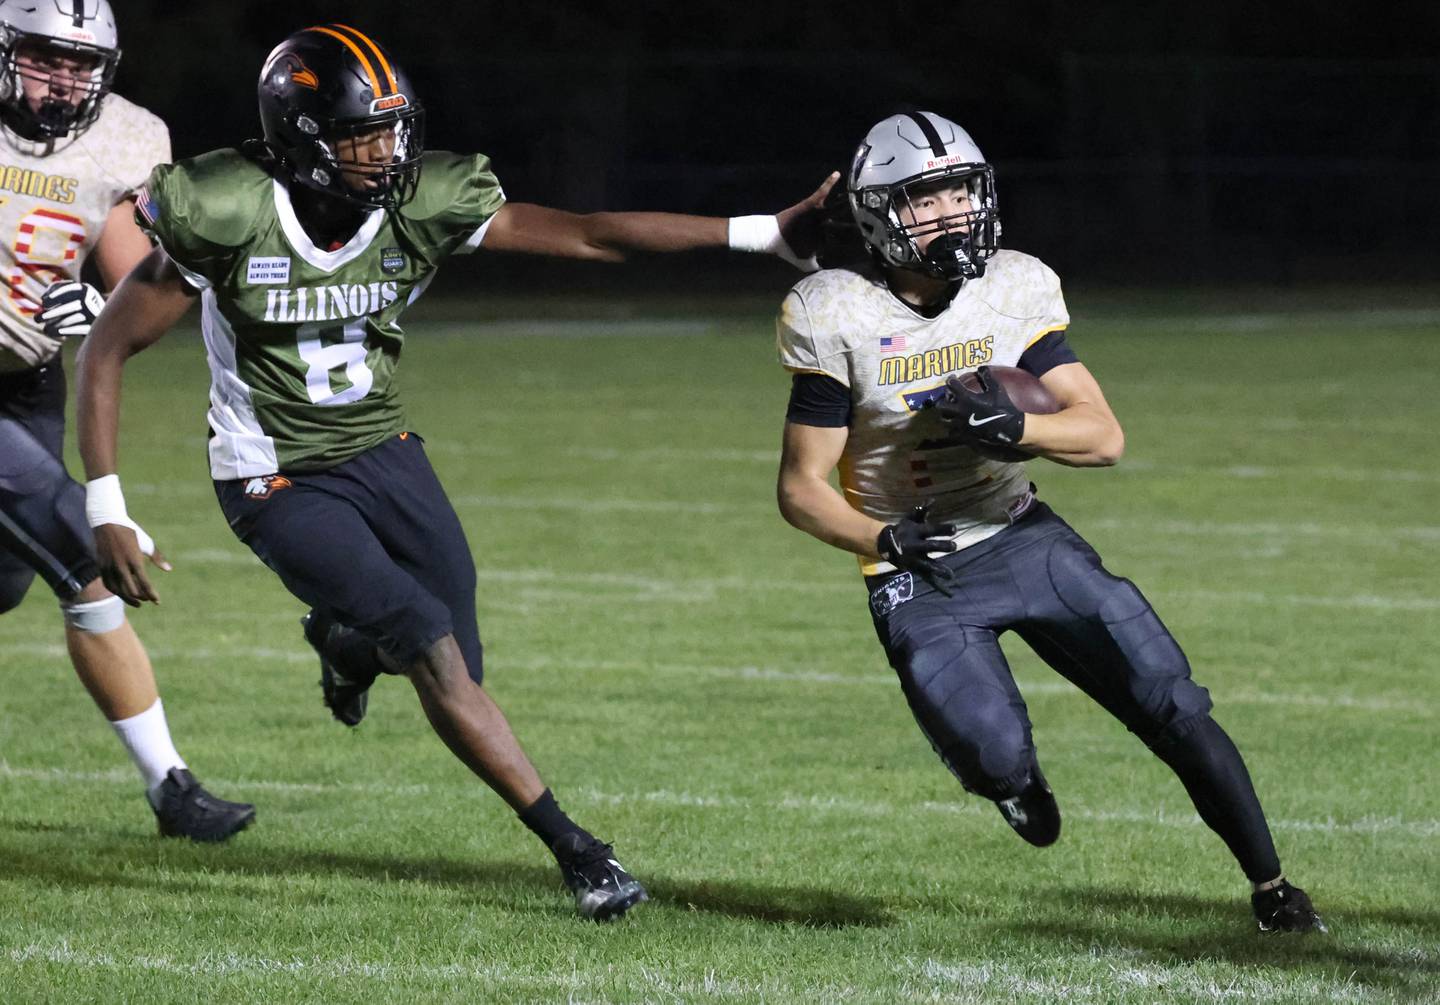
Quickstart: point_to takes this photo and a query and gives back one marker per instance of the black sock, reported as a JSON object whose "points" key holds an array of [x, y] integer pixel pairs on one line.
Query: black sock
{"points": [[549, 823], [1214, 774]]}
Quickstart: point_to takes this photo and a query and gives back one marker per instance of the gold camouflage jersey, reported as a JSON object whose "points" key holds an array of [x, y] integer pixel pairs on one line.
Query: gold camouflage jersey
{"points": [[53, 208], [895, 361]]}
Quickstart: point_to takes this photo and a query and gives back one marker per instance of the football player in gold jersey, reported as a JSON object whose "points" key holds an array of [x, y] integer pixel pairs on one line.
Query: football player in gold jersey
{"points": [[938, 506], [71, 156]]}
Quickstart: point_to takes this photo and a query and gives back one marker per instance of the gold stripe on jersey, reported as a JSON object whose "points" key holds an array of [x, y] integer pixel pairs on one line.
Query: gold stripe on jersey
{"points": [[936, 362], [809, 369], [1047, 331], [50, 187]]}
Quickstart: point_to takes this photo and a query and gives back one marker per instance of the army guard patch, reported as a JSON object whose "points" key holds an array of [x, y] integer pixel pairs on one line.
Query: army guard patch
{"points": [[892, 593], [392, 261]]}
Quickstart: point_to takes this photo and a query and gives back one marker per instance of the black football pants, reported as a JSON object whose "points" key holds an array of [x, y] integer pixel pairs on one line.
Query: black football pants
{"points": [[372, 542], [42, 509], [1040, 579]]}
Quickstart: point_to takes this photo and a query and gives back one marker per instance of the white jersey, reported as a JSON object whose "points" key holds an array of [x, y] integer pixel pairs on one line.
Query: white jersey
{"points": [[53, 208], [895, 361]]}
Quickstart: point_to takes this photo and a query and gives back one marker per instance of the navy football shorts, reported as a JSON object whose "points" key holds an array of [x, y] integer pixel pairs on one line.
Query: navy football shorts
{"points": [[42, 509], [373, 542]]}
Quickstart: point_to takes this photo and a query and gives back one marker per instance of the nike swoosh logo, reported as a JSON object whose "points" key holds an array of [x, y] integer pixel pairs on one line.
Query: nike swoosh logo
{"points": [[983, 421]]}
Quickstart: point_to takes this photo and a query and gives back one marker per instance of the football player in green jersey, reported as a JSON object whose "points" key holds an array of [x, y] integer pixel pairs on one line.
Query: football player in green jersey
{"points": [[304, 249]]}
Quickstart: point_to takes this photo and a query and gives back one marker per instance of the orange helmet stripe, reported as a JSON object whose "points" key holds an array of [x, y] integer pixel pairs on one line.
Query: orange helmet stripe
{"points": [[380, 56], [364, 60]]}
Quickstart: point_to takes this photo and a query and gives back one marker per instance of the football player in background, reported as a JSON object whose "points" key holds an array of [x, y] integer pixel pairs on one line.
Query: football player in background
{"points": [[70, 161], [304, 250], [954, 545]]}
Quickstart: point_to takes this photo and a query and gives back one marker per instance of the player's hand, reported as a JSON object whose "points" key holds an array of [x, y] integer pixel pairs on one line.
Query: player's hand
{"points": [[800, 226], [122, 552], [69, 308], [987, 416], [908, 543]]}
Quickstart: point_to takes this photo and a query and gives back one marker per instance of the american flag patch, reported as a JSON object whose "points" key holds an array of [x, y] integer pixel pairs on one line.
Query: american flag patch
{"points": [[146, 206], [892, 343]]}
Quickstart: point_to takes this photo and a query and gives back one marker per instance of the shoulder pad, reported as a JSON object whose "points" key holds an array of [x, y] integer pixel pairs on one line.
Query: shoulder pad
{"points": [[1019, 285], [447, 181], [219, 194]]}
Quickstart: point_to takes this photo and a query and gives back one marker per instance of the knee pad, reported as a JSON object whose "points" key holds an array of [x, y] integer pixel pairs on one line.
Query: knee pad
{"points": [[1168, 736], [988, 746], [990, 772], [95, 617]]}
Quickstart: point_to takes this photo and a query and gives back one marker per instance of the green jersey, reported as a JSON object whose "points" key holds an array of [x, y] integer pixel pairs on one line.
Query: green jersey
{"points": [[303, 342]]}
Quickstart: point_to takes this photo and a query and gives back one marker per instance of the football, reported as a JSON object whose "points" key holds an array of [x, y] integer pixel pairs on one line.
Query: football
{"points": [[1028, 394]]}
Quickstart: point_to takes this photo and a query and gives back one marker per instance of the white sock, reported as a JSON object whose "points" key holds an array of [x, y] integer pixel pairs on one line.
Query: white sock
{"points": [[147, 738]]}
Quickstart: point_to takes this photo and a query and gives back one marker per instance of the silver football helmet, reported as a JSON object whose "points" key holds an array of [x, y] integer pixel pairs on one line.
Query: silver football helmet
{"points": [[79, 32], [905, 156]]}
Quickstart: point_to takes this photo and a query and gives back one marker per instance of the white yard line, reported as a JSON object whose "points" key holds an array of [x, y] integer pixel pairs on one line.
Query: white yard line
{"points": [[919, 980], [1177, 983], [649, 328], [302, 656], [1368, 825], [659, 589]]}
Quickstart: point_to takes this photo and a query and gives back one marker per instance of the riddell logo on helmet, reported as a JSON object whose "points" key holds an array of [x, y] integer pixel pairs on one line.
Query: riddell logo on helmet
{"points": [[940, 162], [388, 103]]}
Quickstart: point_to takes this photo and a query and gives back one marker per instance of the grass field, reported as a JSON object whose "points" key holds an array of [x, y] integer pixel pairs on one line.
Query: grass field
{"points": [[701, 684]]}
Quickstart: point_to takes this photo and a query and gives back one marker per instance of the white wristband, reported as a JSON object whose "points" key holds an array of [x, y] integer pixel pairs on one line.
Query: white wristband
{"points": [[761, 234], [105, 503]]}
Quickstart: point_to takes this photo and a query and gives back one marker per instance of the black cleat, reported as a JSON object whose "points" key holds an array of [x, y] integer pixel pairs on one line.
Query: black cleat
{"points": [[1285, 908], [344, 683], [603, 889], [184, 809], [1033, 814]]}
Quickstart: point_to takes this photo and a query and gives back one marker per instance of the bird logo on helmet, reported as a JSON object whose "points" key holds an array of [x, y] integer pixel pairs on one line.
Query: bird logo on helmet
{"points": [[57, 64], [339, 115], [905, 157]]}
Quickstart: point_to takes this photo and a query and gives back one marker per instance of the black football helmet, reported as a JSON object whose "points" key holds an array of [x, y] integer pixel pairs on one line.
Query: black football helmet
{"points": [[330, 91]]}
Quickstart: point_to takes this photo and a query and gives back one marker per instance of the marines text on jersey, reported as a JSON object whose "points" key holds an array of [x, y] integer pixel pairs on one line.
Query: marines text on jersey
{"points": [[53, 208], [847, 325]]}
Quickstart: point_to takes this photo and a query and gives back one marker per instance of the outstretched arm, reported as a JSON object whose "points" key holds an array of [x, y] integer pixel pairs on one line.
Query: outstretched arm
{"points": [[608, 237], [144, 306]]}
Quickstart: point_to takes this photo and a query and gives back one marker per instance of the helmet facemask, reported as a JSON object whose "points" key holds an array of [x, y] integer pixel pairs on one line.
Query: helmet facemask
{"points": [[339, 116], [77, 106], [960, 242], [372, 163]]}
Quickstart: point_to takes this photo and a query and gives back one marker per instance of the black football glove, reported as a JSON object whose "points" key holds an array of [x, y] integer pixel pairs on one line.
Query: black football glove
{"points": [[69, 308], [907, 544], [987, 416]]}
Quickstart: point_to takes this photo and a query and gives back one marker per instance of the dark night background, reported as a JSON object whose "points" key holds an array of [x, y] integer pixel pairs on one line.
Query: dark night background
{"points": [[1282, 144]]}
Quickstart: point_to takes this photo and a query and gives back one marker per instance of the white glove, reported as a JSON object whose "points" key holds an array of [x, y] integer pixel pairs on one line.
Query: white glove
{"points": [[69, 308]]}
